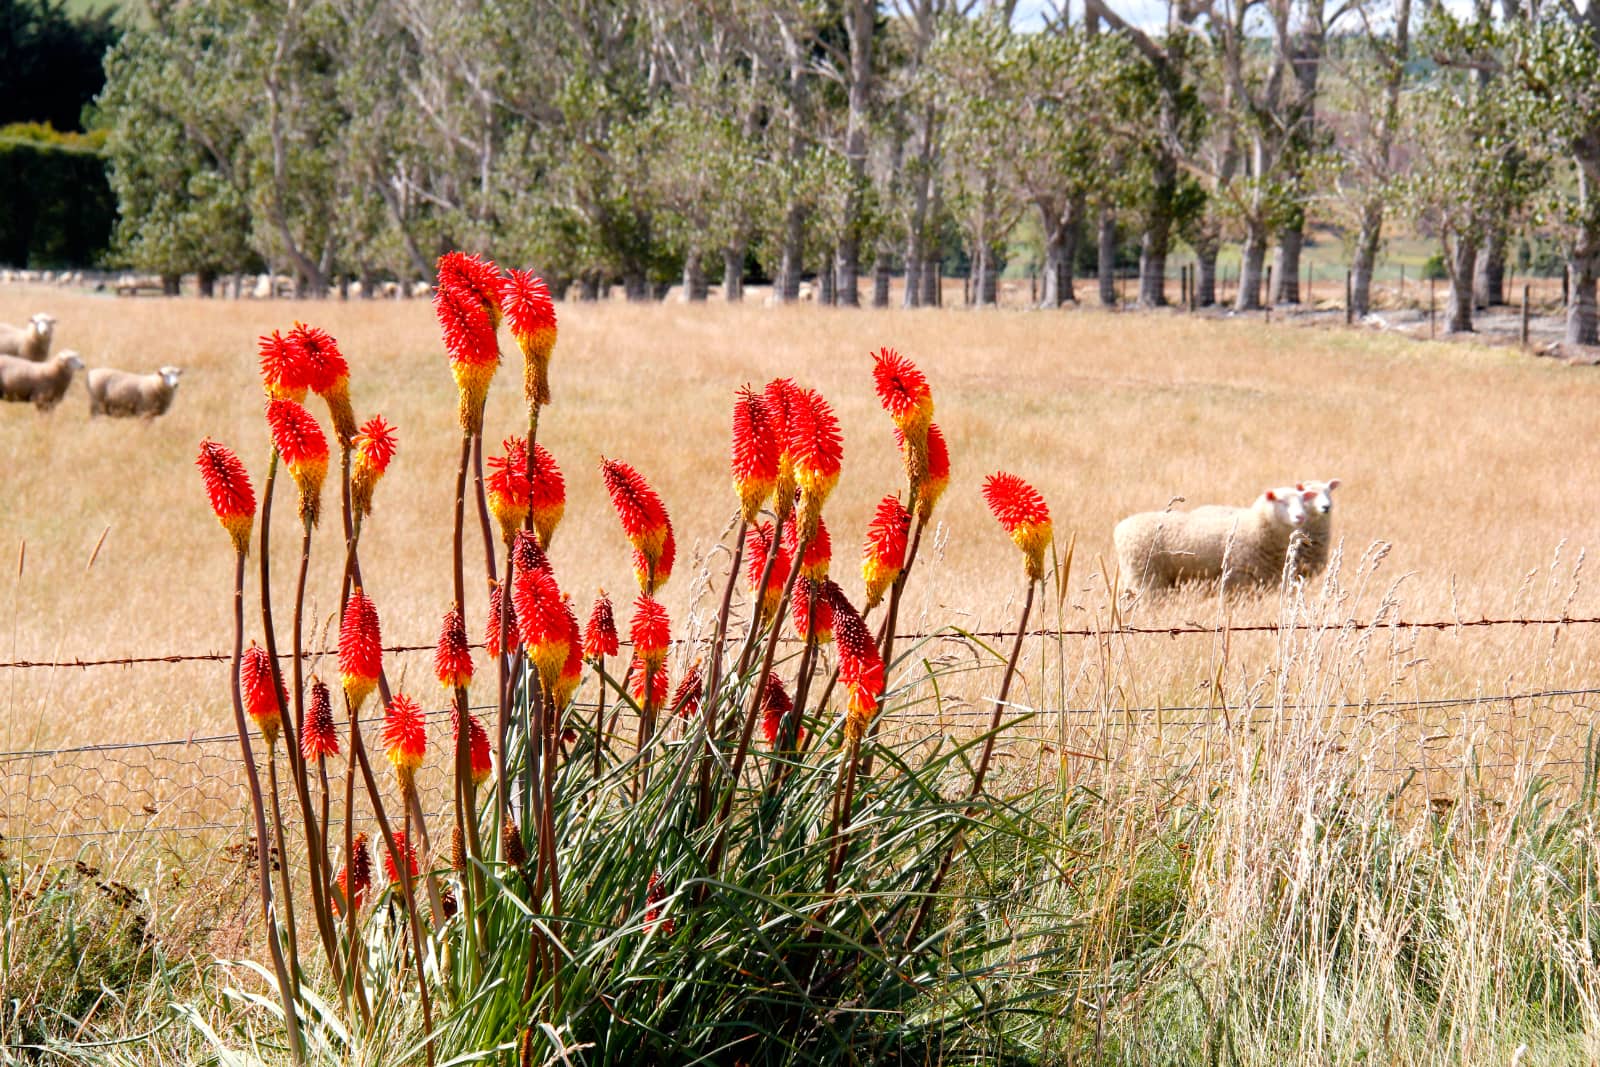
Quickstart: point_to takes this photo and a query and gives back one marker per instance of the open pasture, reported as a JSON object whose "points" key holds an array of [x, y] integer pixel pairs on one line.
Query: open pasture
{"points": [[1464, 497]]}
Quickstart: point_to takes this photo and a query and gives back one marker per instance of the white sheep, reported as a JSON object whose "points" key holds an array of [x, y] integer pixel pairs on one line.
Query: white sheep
{"points": [[31, 342], [42, 383], [1311, 542], [1242, 546], [116, 392]]}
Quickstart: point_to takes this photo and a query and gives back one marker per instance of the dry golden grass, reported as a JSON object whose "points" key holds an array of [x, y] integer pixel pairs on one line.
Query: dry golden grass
{"points": [[1470, 463]]}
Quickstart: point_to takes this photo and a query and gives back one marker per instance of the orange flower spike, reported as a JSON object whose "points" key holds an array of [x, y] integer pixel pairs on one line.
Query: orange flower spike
{"points": [[756, 565], [408, 852], [491, 638], [474, 352], [818, 451], [775, 704], [328, 376], [507, 487], [355, 879], [525, 299], [300, 441], [228, 488], [360, 649], [884, 553], [936, 477], [819, 553], [600, 637], [405, 739], [262, 698], [375, 448], [284, 372], [811, 623], [542, 622], [478, 757], [452, 660], [779, 398], [755, 453], [646, 683], [547, 497], [650, 631], [477, 279], [860, 665], [644, 521], [1023, 514], [318, 739], [691, 690]]}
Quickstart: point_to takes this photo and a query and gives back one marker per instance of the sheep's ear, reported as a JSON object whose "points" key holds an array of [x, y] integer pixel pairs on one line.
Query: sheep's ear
{"points": [[1271, 495], [1333, 485], [1299, 485]]}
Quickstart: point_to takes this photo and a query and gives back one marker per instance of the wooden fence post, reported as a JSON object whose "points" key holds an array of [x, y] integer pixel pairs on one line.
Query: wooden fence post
{"points": [[1349, 291], [1525, 288], [1431, 282]]}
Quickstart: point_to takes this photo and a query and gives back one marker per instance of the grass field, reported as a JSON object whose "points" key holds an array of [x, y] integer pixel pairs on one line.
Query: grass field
{"points": [[1229, 877]]}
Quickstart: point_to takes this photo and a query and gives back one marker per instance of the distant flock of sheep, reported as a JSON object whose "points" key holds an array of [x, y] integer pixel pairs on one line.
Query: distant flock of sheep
{"points": [[30, 374]]}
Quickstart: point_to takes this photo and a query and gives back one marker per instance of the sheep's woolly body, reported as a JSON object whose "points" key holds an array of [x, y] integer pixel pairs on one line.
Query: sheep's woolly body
{"points": [[42, 383], [115, 392], [30, 342], [1243, 546]]}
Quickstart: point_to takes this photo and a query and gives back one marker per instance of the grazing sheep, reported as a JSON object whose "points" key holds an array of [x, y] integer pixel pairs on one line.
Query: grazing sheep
{"points": [[1242, 546], [1312, 541], [43, 383], [116, 392], [30, 342]]}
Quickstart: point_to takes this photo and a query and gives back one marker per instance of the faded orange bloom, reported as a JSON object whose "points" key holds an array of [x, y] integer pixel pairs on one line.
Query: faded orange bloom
{"points": [[408, 853], [328, 376], [755, 453], [360, 649], [492, 632], [479, 760], [300, 441], [452, 659], [884, 553], [375, 447], [532, 317], [1022, 513], [405, 739], [687, 696], [262, 697], [228, 488]]}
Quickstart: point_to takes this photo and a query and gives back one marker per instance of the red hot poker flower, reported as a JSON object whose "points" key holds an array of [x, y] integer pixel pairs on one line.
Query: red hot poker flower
{"points": [[318, 740], [779, 398], [756, 566], [811, 612], [356, 878], [690, 691], [817, 451], [408, 853], [507, 486], [300, 441], [572, 669], [360, 649], [775, 704], [931, 486], [884, 553], [1022, 513], [526, 301], [600, 638], [542, 621], [328, 376], [452, 660], [478, 757], [648, 684], [643, 516], [547, 497], [652, 576], [819, 553], [526, 554], [474, 353], [228, 488], [655, 895], [405, 738], [902, 390], [497, 601], [860, 665], [476, 279], [375, 447], [262, 697], [284, 370], [755, 453], [650, 631]]}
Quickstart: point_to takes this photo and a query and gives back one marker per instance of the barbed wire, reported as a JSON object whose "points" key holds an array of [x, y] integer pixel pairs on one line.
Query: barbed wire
{"points": [[923, 635]]}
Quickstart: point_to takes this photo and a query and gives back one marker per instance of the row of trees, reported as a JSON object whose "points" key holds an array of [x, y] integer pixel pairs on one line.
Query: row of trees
{"points": [[858, 140]]}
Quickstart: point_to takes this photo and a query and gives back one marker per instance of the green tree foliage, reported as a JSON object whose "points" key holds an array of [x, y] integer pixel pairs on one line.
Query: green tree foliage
{"points": [[58, 205], [50, 61]]}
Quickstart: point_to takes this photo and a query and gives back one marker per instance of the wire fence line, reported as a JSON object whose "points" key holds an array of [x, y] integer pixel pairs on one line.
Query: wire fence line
{"points": [[988, 635]]}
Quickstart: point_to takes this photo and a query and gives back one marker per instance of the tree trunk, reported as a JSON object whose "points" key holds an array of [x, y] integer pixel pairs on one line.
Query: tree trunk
{"points": [[1157, 235], [1489, 279], [369, 282], [1057, 268], [794, 229], [880, 273], [985, 284], [859, 27], [931, 296], [1107, 264], [589, 287], [635, 286], [171, 284], [1204, 293], [207, 282], [1462, 260], [1366, 257], [733, 273], [1251, 261], [912, 297], [344, 286], [694, 278], [1581, 317], [1286, 265], [826, 284]]}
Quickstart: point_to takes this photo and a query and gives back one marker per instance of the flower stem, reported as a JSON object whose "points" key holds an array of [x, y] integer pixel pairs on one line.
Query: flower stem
{"points": [[292, 937]]}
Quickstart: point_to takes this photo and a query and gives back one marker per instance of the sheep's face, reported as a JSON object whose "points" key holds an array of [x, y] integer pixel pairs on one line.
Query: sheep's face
{"points": [[1288, 506], [44, 325], [71, 359], [170, 376], [1318, 496]]}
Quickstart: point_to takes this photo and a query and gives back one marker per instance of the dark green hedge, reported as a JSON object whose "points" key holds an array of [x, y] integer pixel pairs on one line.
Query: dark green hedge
{"points": [[56, 207]]}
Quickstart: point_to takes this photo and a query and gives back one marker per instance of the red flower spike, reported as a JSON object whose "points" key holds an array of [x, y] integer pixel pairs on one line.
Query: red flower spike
{"points": [[756, 566], [480, 761], [408, 852], [755, 453], [474, 353], [655, 894], [525, 299], [643, 516], [284, 371], [300, 441], [317, 737], [572, 669], [650, 631], [811, 624], [328, 375], [1022, 513], [491, 639], [819, 553], [775, 704], [476, 279], [542, 623], [547, 497], [600, 638], [262, 697], [689, 692], [355, 879], [375, 448], [903, 391], [452, 660], [405, 738], [817, 451], [228, 488], [655, 694], [507, 487], [884, 553], [779, 397], [360, 649], [860, 665]]}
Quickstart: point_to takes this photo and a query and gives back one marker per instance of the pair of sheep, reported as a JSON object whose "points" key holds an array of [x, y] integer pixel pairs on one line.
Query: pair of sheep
{"points": [[29, 374], [1287, 528]]}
